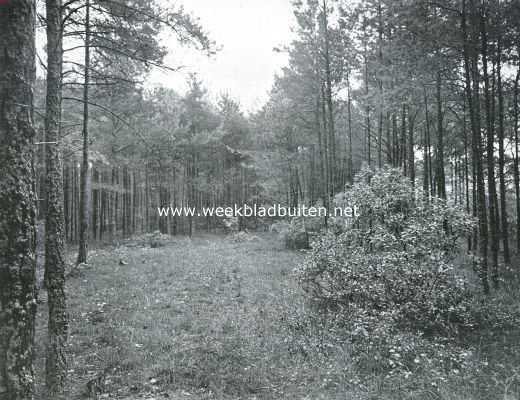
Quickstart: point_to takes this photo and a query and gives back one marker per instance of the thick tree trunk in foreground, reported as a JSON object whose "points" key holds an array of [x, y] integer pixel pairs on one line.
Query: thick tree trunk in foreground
{"points": [[84, 186], [54, 222], [17, 199]]}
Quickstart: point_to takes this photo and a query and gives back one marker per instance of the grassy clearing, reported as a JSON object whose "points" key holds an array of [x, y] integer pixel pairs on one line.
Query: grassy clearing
{"points": [[198, 319], [211, 318]]}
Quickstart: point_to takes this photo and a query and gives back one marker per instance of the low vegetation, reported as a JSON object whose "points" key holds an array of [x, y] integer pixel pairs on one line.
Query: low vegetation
{"points": [[387, 312]]}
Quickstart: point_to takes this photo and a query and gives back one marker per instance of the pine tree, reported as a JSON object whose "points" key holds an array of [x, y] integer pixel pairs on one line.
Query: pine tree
{"points": [[54, 221], [17, 197]]}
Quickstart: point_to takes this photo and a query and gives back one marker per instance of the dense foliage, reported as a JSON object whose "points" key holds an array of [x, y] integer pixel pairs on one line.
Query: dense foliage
{"points": [[396, 257], [391, 287]]}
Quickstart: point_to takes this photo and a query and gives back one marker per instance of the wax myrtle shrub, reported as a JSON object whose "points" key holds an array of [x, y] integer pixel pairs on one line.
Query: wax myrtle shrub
{"points": [[389, 285], [397, 255], [390, 288]]}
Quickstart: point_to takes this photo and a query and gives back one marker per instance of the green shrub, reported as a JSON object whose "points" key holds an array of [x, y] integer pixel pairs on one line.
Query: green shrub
{"points": [[395, 257]]}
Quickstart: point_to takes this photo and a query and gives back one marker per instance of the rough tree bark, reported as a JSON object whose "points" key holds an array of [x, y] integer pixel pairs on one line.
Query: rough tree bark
{"points": [[54, 221], [17, 197]]}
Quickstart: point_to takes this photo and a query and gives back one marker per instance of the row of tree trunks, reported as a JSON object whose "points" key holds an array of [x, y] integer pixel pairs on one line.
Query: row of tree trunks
{"points": [[125, 201]]}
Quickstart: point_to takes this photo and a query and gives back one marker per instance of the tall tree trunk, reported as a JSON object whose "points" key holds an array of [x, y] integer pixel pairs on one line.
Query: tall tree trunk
{"points": [[95, 202], [330, 110], [325, 147], [411, 155], [349, 116], [395, 141], [426, 186], [516, 173], [472, 94], [380, 82], [426, 156], [466, 169], [501, 152], [367, 108], [17, 199], [492, 192], [84, 186], [404, 150], [441, 179], [322, 166], [56, 365]]}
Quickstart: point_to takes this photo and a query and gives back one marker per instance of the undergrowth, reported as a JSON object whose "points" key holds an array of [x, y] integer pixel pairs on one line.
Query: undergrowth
{"points": [[215, 318]]}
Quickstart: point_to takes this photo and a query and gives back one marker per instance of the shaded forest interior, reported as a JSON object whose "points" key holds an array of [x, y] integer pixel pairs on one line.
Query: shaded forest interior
{"points": [[408, 109], [431, 88]]}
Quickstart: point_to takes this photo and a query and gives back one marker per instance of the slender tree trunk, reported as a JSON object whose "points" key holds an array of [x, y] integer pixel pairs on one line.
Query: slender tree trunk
{"points": [[395, 141], [472, 94], [17, 199], [492, 193], [56, 365], [66, 199], [516, 173], [322, 166], [426, 177], [466, 169], [95, 202], [411, 155], [501, 153], [330, 110], [84, 186], [325, 147], [441, 180], [403, 157], [389, 149], [426, 186], [349, 115], [380, 82], [367, 108]]}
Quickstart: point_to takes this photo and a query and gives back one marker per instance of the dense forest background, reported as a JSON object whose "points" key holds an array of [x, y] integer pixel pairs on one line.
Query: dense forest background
{"points": [[408, 109], [429, 87]]}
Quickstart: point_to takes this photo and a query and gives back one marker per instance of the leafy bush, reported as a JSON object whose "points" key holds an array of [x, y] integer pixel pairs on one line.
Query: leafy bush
{"points": [[397, 256]]}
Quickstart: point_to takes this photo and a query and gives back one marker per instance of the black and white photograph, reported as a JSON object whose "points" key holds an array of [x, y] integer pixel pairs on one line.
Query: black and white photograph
{"points": [[259, 199]]}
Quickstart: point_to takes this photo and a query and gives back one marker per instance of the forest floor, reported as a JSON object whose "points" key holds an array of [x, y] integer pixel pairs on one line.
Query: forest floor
{"points": [[214, 318], [196, 319]]}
